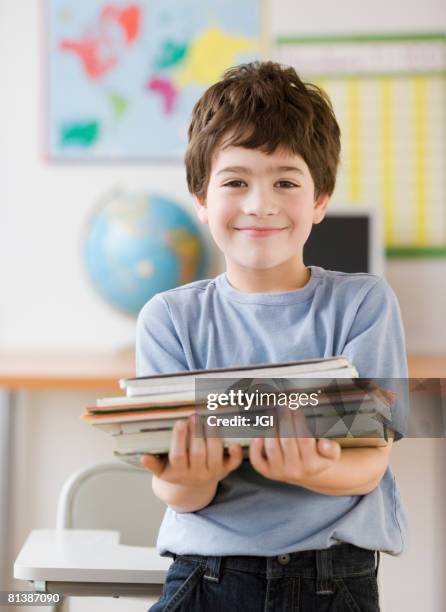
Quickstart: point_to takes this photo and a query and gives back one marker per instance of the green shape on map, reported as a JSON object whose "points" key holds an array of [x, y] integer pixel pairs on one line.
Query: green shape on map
{"points": [[119, 105], [81, 134], [171, 53]]}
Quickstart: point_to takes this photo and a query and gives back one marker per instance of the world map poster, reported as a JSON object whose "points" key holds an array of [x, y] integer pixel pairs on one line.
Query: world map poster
{"points": [[123, 77]]}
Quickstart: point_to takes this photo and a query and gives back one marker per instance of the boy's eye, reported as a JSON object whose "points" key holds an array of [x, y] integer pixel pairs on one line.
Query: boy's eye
{"points": [[286, 184], [282, 184], [235, 184]]}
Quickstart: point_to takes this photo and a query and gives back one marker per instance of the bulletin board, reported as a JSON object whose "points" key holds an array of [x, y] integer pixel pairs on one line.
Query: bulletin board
{"points": [[389, 96], [122, 78]]}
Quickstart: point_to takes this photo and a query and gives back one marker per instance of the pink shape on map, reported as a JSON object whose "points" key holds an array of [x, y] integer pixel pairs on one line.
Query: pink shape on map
{"points": [[89, 51], [99, 48], [166, 89], [129, 19]]}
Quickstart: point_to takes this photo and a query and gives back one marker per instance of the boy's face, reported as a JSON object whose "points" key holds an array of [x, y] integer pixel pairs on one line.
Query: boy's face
{"points": [[260, 208]]}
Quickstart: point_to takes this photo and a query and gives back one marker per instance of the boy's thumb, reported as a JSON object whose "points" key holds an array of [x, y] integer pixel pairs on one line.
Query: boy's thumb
{"points": [[153, 463], [329, 448]]}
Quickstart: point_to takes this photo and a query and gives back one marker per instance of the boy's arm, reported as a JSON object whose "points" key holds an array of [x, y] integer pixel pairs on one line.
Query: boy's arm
{"points": [[184, 498], [376, 346], [158, 347], [159, 350], [187, 479], [320, 465], [358, 471]]}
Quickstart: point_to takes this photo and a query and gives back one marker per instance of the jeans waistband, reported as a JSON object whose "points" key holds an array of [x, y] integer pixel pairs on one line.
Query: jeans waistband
{"points": [[324, 565]]}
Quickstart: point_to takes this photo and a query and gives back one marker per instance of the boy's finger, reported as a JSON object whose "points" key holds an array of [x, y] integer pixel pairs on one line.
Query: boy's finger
{"points": [[287, 433], [214, 453], [291, 452], [197, 444], [284, 422], [330, 449], [235, 457], [300, 425], [257, 456], [155, 464], [311, 459], [273, 448], [178, 445]]}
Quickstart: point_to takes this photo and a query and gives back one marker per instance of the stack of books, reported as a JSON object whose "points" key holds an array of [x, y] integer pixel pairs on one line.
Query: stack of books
{"points": [[141, 421]]}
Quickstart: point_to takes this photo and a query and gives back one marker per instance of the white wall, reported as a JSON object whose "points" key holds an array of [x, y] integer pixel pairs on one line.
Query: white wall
{"points": [[421, 289], [47, 303]]}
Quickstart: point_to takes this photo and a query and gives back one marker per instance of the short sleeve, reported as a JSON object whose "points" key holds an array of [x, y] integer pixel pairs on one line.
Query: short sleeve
{"points": [[158, 347], [376, 346]]}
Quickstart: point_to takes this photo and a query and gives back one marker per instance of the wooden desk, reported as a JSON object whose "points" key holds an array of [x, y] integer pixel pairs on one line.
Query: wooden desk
{"points": [[93, 371], [46, 371], [427, 366]]}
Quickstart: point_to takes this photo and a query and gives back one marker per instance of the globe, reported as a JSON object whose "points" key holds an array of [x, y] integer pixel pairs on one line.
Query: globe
{"points": [[138, 245]]}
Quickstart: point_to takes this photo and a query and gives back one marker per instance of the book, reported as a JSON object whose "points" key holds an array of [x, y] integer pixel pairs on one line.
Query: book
{"points": [[328, 395], [157, 441], [330, 367], [141, 422], [185, 394]]}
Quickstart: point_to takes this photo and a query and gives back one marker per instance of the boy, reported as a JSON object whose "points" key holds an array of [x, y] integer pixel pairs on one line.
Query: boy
{"points": [[296, 527]]}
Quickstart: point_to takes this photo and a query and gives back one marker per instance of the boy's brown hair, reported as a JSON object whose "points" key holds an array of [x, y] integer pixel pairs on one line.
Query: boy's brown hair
{"points": [[263, 105]]}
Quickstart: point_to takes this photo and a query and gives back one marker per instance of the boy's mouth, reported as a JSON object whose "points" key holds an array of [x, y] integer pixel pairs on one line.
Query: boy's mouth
{"points": [[260, 232]]}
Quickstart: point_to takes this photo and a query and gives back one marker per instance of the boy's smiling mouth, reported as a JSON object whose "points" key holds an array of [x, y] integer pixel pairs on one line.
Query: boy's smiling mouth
{"points": [[260, 232]]}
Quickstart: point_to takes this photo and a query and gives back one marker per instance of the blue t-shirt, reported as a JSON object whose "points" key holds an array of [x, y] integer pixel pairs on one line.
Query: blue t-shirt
{"points": [[209, 324]]}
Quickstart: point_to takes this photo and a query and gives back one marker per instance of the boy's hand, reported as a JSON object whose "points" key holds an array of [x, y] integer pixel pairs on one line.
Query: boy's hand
{"points": [[193, 460], [294, 460]]}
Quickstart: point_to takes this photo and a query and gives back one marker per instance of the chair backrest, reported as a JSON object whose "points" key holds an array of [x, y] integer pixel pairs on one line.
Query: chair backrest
{"points": [[112, 496]]}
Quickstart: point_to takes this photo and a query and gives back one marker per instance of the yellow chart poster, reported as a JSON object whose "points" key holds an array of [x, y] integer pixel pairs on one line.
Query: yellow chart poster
{"points": [[389, 96]]}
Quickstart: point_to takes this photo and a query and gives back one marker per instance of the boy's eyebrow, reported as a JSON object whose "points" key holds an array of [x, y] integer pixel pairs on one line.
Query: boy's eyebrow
{"points": [[270, 170]]}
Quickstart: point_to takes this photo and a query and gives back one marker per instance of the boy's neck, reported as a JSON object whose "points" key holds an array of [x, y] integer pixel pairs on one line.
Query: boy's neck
{"points": [[286, 277]]}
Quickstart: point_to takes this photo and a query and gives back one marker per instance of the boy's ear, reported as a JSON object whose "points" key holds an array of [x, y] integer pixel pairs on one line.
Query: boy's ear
{"points": [[320, 207], [201, 209]]}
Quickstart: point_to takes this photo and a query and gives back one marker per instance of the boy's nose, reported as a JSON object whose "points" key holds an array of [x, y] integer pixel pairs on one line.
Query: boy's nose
{"points": [[260, 204]]}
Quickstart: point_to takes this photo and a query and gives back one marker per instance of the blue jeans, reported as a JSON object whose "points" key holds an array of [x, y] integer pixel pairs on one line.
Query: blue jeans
{"points": [[338, 579]]}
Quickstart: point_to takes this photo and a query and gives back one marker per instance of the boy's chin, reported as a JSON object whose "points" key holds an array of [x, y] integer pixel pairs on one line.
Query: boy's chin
{"points": [[258, 266], [263, 262]]}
